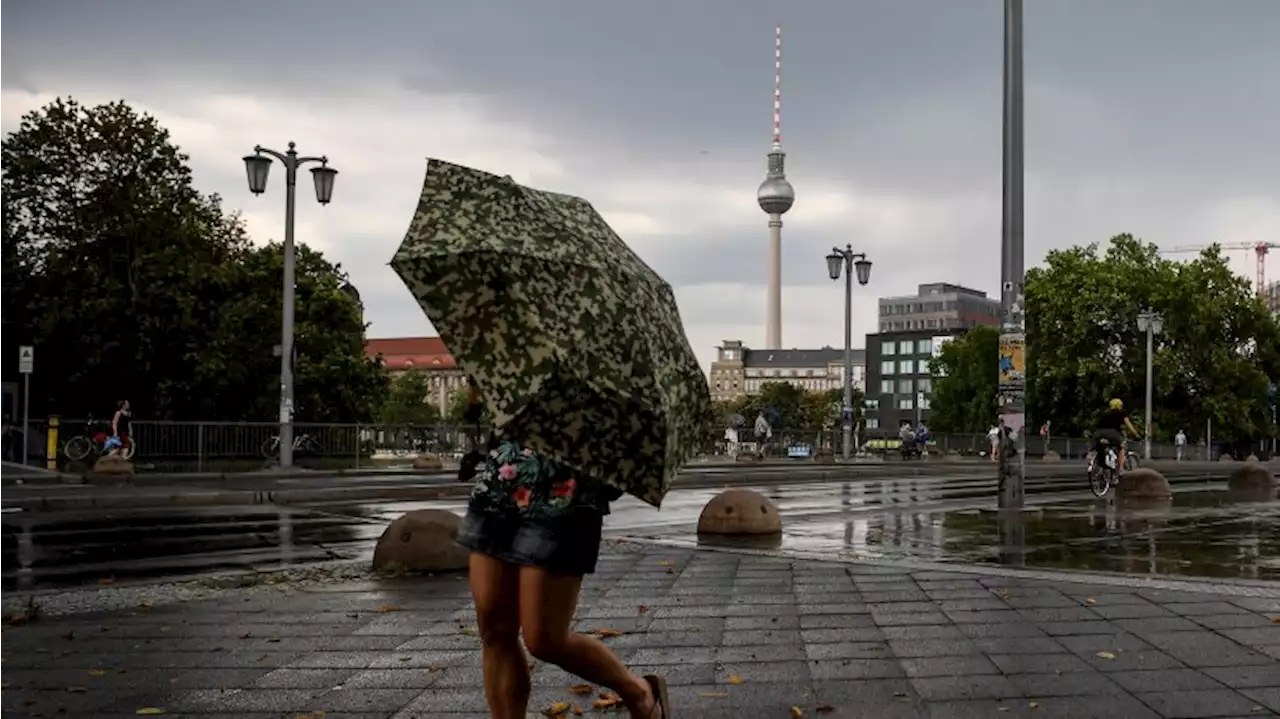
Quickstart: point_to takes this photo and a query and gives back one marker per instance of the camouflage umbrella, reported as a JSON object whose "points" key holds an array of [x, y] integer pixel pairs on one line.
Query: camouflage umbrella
{"points": [[575, 343]]}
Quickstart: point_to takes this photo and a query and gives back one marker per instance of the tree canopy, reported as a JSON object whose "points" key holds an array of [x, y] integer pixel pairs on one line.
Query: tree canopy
{"points": [[965, 374], [409, 400], [132, 284], [1212, 360]]}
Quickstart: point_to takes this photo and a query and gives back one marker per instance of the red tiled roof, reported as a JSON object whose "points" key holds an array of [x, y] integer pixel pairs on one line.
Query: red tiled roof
{"points": [[402, 352]]}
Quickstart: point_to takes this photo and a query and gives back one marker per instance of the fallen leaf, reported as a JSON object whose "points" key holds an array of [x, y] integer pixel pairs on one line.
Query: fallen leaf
{"points": [[1002, 709], [149, 711], [104, 628], [471, 631], [581, 689], [713, 695], [273, 640], [824, 708], [1275, 620], [797, 712], [1090, 601], [77, 690], [607, 700], [1105, 655], [735, 679], [670, 570], [556, 710], [606, 633], [577, 710], [106, 581], [644, 608], [246, 635], [435, 668], [666, 563], [404, 659], [97, 672], [384, 608], [1033, 705], [1258, 709]]}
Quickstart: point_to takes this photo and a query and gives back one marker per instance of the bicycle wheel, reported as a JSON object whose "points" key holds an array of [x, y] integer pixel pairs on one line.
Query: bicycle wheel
{"points": [[270, 447], [1130, 462], [78, 448], [1100, 480]]}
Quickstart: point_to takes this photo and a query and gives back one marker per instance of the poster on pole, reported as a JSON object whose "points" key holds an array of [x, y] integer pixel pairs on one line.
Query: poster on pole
{"points": [[1013, 360], [26, 359]]}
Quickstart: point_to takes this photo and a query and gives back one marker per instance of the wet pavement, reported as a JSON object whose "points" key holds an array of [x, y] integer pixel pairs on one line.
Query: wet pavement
{"points": [[736, 636], [937, 518]]}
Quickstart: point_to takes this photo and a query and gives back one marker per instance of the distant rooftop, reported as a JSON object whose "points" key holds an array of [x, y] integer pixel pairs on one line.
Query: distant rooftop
{"points": [[938, 288], [800, 357]]}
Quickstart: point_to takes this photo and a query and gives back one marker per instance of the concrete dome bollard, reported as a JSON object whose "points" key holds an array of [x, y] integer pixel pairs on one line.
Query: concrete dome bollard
{"points": [[113, 465], [1252, 477], [953, 455], [739, 511], [427, 462], [1252, 458], [1144, 483], [825, 456], [748, 457], [1052, 456], [421, 541], [1226, 458]]}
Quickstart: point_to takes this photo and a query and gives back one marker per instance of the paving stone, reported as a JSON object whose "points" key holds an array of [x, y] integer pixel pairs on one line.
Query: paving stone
{"points": [[392, 679], [849, 650], [1064, 629], [1266, 675], [855, 669], [1018, 645], [1201, 650], [1066, 684], [748, 637], [969, 686], [937, 666], [1242, 620], [922, 631], [1267, 635], [785, 671], [1199, 704], [291, 678], [895, 620], [1191, 609], [1012, 664], [976, 630], [1154, 625], [762, 653], [932, 647], [1164, 680], [1268, 697], [740, 623], [837, 621], [1004, 616], [364, 699], [869, 698]]}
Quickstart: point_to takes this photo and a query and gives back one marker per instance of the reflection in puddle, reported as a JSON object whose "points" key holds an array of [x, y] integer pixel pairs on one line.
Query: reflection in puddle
{"points": [[1201, 533]]}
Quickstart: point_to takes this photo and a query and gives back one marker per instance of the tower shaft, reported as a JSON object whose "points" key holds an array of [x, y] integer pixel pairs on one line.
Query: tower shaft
{"points": [[773, 314]]}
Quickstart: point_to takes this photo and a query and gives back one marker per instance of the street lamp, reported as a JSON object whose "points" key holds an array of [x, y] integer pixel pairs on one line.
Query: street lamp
{"points": [[853, 263], [257, 166], [1151, 323]]}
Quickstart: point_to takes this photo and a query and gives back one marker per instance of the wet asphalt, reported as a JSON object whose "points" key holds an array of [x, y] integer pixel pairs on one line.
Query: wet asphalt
{"points": [[1203, 531]]}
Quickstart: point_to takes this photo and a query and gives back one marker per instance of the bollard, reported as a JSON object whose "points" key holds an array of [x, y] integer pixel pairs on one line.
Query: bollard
{"points": [[51, 444]]}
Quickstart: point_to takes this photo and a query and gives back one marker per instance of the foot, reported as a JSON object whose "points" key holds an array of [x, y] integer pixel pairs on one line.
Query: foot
{"points": [[645, 706]]}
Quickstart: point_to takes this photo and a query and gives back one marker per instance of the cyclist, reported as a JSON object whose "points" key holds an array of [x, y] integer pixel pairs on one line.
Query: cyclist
{"points": [[1112, 427], [118, 443]]}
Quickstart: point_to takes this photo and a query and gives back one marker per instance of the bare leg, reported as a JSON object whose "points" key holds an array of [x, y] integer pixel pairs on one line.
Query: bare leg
{"points": [[495, 586], [547, 604]]}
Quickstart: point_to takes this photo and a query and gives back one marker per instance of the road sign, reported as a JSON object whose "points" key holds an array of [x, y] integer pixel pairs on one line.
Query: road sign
{"points": [[26, 359]]}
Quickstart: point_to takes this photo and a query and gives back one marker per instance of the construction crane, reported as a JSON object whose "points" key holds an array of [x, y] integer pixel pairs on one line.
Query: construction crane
{"points": [[1260, 249]]}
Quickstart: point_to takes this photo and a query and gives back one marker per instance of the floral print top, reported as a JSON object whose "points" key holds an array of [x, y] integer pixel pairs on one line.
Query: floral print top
{"points": [[518, 481]]}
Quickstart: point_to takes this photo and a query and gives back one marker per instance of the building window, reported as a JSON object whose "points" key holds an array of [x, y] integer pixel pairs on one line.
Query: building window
{"points": [[886, 367], [887, 348], [905, 347], [871, 405], [873, 423], [906, 366], [924, 402], [925, 347], [924, 385], [886, 386], [906, 403], [905, 386]]}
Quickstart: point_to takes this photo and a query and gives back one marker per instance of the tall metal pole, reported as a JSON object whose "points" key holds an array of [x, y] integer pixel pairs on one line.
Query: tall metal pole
{"points": [[1146, 432], [26, 415], [846, 414], [286, 323], [1012, 394]]}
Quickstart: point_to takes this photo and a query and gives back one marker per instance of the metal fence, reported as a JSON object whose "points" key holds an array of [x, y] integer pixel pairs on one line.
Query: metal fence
{"points": [[242, 446]]}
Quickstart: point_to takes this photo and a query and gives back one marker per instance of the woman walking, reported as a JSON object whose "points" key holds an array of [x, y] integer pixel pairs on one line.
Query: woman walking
{"points": [[534, 529]]}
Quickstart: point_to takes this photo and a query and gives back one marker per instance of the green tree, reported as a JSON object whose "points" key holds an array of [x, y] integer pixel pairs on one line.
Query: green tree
{"points": [[459, 402], [965, 375], [408, 400], [130, 283], [1212, 360]]}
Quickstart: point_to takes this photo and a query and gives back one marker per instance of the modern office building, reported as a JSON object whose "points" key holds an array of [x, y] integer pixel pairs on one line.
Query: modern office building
{"points": [[740, 370], [899, 379], [1272, 297], [938, 306]]}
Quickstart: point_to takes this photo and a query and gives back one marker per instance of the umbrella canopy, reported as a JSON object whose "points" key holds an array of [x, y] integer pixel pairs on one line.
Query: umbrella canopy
{"points": [[575, 343]]}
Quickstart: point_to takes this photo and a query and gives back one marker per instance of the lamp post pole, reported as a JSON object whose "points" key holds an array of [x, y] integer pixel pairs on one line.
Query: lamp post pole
{"points": [[1151, 323], [257, 166], [1012, 400], [851, 263]]}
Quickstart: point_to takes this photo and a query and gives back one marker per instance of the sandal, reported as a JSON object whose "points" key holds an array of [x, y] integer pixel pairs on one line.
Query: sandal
{"points": [[660, 700]]}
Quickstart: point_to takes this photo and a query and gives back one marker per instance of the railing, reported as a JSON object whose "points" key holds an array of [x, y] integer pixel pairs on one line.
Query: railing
{"points": [[245, 446]]}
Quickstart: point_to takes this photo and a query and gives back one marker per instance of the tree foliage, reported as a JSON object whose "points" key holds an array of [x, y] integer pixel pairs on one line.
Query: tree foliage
{"points": [[131, 283], [965, 375], [791, 407], [1212, 361], [409, 401]]}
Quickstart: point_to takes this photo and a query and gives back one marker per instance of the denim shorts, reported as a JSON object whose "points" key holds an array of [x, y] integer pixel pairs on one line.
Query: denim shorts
{"points": [[568, 544]]}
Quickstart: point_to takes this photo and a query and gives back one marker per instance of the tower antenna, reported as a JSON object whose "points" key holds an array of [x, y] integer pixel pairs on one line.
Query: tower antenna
{"points": [[777, 86]]}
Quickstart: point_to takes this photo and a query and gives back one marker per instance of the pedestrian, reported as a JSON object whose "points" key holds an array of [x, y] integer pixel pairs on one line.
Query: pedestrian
{"points": [[1179, 441], [764, 431], [117, 444], [533, 527], [993, 437]]}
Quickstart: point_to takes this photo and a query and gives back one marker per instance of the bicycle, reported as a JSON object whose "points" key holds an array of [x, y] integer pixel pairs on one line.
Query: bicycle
{"points": [[80, 447], [302, 444], [1103, 476]]}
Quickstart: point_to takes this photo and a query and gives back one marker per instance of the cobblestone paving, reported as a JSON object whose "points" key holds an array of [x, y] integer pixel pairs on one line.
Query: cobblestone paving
{"points": [[736, 635]]}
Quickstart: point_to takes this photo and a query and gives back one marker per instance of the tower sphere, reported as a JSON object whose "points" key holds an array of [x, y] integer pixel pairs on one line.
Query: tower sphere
{"points": [[775, 195]]}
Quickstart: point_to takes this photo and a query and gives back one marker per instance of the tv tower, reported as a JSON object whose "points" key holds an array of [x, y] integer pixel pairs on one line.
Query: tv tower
{"points": [[775, 197]]}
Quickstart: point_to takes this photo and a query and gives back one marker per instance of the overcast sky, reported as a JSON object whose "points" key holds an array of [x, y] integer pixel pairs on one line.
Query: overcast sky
{"points": [[1156, 117]]}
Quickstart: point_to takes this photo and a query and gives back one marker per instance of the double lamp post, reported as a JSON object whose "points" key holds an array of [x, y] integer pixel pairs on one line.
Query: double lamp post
{"points": [[852, 264], [1152, 324], [257, 166]]}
